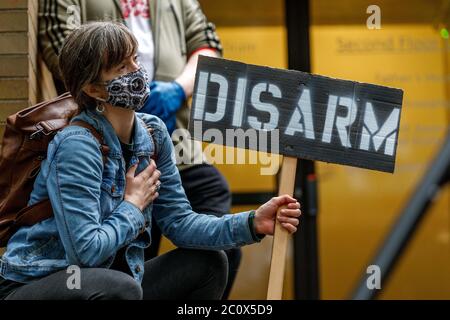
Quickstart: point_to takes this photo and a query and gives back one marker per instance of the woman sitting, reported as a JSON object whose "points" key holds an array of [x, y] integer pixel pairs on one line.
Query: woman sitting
{"points": [[103, 208]]}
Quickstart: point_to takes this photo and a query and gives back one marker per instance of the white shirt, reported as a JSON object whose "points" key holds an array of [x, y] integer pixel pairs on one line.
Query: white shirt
{"points": [[137, 18]]}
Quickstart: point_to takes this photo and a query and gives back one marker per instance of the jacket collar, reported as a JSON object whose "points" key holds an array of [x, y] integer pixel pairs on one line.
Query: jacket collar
{"points": [[143, 144]]}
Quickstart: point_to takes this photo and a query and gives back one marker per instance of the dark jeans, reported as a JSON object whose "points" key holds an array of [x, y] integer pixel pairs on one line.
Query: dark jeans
{"points": [[208, 192], [178, 274]]}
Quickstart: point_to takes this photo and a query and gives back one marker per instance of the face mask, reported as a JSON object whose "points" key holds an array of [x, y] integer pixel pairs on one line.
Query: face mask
{"points": [[129, 91]]}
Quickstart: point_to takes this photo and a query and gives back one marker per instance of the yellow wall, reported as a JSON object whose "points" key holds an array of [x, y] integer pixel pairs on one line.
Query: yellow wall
{"points": [[357, 207]]}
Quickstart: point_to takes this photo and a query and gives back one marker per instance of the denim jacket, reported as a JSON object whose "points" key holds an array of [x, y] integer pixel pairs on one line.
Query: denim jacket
{"points": [[92, 221]]}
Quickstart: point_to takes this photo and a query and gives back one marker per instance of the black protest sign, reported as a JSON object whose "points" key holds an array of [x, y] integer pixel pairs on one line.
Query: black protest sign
{"points": [[315, 117]]}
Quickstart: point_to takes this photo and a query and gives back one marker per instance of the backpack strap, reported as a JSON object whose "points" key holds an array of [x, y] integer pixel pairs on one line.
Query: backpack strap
{"points": [[33, 214], [103, 147]]}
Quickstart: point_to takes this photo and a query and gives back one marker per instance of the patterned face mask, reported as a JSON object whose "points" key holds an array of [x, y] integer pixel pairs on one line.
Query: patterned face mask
{"points": [[129, 91]]}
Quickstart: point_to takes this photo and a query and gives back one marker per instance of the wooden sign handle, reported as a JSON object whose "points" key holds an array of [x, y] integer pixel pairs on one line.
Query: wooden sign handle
{"points": [[281, 236]]}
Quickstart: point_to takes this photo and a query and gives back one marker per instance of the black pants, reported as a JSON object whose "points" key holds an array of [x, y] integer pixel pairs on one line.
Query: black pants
{"points": [[208, 192], [178, 274]]}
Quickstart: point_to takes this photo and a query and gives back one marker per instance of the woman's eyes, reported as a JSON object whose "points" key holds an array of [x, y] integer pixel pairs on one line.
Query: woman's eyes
{"points": [[123, 66]]}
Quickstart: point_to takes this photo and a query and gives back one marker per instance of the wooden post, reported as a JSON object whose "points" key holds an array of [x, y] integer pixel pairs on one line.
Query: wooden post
{"points": [[281, 236]]}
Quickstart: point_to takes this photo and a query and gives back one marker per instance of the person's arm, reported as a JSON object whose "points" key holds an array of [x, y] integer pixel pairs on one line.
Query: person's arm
{"points": [[56, 20], [185, 228], [201, 39], [187, 77], [166, 98], [74, 188], [172, 210]]}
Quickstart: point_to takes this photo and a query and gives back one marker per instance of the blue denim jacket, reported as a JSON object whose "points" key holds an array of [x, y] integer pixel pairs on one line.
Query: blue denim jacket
{"points": [[92, 221]]}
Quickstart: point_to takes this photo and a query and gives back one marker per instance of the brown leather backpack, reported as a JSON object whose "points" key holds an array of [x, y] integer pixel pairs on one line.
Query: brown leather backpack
{"points": [[24, 147]]}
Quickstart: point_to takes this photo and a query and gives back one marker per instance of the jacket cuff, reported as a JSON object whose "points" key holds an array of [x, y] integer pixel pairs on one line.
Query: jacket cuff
{"points": [[256, 236], [205, 47], [136, 216], [242, 232]]}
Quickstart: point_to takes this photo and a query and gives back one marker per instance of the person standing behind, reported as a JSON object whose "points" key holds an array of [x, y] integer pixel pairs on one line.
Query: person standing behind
{"points": [[171, 35]]}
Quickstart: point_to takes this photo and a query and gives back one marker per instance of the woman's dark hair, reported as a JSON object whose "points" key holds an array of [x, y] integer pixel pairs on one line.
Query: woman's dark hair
{"points": [[88, 50]]}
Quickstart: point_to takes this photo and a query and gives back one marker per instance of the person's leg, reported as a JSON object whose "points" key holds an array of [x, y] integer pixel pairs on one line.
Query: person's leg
{"points": [[95, 284], [186, 274], [234, 260], [208, 192], [206, 189]]}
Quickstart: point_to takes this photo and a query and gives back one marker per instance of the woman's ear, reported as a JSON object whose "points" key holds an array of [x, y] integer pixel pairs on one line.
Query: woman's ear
{"points": [[95, 91]]}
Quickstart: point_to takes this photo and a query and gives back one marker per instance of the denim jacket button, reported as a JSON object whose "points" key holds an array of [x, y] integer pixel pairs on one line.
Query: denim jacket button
{"points": [[113, 188], [137, 269]]}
